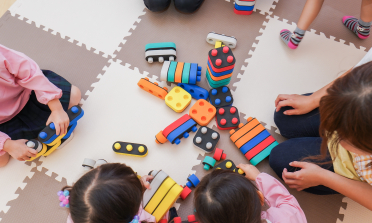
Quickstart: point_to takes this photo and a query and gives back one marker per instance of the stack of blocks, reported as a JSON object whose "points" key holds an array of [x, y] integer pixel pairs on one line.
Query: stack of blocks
{"points": [[220, 66], [161, 196], [244, 7], [175, 131], [253, 140], [180, 72]]}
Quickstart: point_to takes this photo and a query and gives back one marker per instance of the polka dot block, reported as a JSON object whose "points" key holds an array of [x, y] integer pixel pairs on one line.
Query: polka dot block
{"points": [[227, 118], [131, 149], [178, 99], [202, 112], [226, 165], [221, 97], [206, 139]]}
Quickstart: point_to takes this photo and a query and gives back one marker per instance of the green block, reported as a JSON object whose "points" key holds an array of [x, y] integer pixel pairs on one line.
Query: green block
{"points": [[172, 71], [263, 154], [208, 162], [164, 45], [186, 73]]}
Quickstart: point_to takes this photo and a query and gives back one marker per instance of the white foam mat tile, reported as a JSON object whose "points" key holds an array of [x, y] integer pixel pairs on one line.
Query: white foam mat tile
{"points": [[265, 6], [354, 212], [275, 69], [100, 24], [118, 110], [12, 177]]}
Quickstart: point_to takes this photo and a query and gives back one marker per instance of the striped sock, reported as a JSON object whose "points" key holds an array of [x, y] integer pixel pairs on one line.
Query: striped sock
{"points": [[292, 39], [359, 27]]}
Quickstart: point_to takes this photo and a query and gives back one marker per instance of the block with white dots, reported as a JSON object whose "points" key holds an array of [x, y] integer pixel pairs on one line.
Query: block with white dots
{"points": [[131, 149], [178, 99], [227, 118], [221, 97], [206, 139]]}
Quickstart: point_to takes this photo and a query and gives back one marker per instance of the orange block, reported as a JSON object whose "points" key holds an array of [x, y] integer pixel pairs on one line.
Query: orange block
{"points": [[243, 129], [178, 74], [152, 88], [250, 135], [202, 112]]}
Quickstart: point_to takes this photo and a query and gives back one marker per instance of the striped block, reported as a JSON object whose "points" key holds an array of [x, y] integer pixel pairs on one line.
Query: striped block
{"points": [[220, 66], [180, 72], [253, 140]]}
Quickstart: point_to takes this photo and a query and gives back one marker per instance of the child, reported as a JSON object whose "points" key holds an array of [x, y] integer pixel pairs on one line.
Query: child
{"points": [[360, 27], [224, 196], [186, 6], [30, 99], [109, 193]]}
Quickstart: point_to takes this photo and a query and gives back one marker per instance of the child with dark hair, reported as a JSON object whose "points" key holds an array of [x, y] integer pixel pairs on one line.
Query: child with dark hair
{"points": [[109, 193], [225, 196]]}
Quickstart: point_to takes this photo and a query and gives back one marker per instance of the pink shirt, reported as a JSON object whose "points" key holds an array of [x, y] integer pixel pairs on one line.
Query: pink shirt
{"points": [[284, 207], [19, 75]]}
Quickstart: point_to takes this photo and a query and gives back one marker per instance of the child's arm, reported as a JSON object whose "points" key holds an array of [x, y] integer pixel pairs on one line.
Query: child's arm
{"points": [[283, 206], [28, 75]]}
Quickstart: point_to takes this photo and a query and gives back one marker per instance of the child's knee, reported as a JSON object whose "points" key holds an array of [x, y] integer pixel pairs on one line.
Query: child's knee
{"points": [[188, 6], [4, 159], [75, 96], [157, 5]]}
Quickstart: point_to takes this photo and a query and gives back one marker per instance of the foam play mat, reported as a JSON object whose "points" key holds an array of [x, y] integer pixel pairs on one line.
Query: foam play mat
{"points": [[99, 46]]}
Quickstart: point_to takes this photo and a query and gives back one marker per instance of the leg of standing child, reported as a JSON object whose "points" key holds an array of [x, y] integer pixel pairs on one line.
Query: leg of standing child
{"points": [[309, 13], [361, 27]]}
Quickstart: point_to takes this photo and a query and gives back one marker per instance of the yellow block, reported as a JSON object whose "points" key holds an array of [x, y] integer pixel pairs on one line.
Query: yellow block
{"points": [[178, 99], [54, 147], [218, 44], [42, 152], [159, 195], [55, 141], [167, 202]]}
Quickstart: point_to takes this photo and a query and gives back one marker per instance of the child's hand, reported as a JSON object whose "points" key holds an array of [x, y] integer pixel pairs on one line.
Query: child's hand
{"points": [[308, 176], [60, 119], [251, 172], [301, 104], [145, 181], [18, 149]]}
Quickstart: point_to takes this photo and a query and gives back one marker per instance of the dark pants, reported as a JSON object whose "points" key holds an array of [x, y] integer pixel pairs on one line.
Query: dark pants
{"points": [[187, 6], [303, 141]]}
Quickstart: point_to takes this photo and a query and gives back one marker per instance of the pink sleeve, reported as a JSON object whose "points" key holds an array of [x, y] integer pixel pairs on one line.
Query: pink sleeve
{"points": [[284, 207], [29, 75], [3, 138]]}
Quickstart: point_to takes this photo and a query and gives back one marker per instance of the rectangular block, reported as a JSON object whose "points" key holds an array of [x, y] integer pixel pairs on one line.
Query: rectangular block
{"points": [[162, 191], [155, 184], [186, 72], [260, 147], [167, 202], [245, 138], [243, 130], [171, 71], [180, 131], [254, 142], [178, 74], [262, 155]]}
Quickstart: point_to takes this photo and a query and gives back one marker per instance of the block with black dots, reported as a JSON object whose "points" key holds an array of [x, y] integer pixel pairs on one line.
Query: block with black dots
{"points": [[206, 139], [253, 140], [227, 118], [175, 131], [180, 72], [131, 149], [221, 97]]}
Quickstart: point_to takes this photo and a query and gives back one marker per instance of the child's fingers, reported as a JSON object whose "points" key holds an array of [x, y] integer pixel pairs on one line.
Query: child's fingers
{"points": [[66, 127], [289, 175], [284, 103], [147, 185], [32, 151], [58, 128]]}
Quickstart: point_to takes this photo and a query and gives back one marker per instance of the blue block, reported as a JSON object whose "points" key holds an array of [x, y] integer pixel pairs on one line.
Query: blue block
{"points": [[254, 142], [193, 181], [219, 74], [193, 73], [195, 91], [178, 132], [243, 8]]}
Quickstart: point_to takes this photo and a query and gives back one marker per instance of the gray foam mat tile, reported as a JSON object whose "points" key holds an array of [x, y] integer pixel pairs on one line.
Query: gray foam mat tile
{"points": [[189, 32], [38, 201], [77, 64], [329, 20]]}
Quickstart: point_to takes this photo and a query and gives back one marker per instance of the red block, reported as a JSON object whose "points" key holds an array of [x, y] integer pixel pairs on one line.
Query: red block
{"points": [[257, 149], [185, 193], [242, 12], [175, 125]]}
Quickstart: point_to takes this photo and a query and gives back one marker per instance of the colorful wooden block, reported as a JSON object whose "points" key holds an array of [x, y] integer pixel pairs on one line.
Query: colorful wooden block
{"points": [[206, 139], [178, 99], [221, 97], [195, 91], [131, 149], [180, 72], [192, 181], [153, 88], [213, 37], [208, 162], [227, 118], [219, 154], [160, 52], [202, 112]]}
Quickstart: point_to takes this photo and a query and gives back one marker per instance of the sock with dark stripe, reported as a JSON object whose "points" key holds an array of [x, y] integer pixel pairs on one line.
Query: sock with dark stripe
{"points": [[292, 39], [359, 27]]}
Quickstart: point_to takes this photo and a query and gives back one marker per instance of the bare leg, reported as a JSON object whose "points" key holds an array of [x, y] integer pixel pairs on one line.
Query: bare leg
{"points": [[75, 96], [366, 11], [4, 159], [309, 13]]}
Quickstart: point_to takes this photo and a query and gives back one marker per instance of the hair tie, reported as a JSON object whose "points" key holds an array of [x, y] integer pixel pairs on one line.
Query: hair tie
{"points": [[64, 198], [135, 219]]}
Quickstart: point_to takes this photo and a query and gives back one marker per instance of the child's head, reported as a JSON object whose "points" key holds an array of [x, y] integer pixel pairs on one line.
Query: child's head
{"points": [[224, 196], [110, 193], [346, 109]]}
